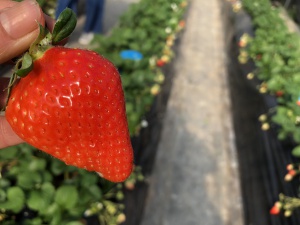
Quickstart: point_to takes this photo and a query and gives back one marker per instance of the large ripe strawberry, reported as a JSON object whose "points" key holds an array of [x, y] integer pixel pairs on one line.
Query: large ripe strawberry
{"points": [[71, 105]]}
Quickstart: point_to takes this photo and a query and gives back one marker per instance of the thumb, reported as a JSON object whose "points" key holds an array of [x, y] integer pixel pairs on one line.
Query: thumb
{"points": [[18, 27], [7, 135]]}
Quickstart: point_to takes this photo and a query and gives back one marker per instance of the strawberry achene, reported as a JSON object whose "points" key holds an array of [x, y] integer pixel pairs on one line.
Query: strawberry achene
{"points": [[71, 105]]}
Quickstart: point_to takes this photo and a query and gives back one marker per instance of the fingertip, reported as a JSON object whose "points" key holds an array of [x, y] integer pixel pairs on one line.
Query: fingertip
{"points": [[7, 135], [19, 27], [21, 19]]}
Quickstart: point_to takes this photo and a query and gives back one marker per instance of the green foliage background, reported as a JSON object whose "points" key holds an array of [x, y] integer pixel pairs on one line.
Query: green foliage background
{"points": [[37, 189]]}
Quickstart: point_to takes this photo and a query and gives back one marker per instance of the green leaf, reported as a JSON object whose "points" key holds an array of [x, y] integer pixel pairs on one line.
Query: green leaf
{"points": [[46, 176], [35, 221], [9, 152], [28, 179], [37, 164], [66, 196], [4, 183], [74, 223], [296, 151], [64, 25], [39, 200], [78, 211], [24, 66], [57, 167], [36, 201], [43, 33], [56, 218], [52, 209], [2, 195], [15, 200], [48, 191], [88, 179]]}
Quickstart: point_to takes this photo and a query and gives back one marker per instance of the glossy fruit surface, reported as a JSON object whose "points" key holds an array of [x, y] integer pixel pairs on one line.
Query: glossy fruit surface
{"points": [[71, 105]]}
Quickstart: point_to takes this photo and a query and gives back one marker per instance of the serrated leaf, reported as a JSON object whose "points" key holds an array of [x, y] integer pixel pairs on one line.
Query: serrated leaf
{"points": [[48, 191], [37, 164], [64, 26], [27, 179], [36, 201], [39, 200], [15, 200], [66, 196]]}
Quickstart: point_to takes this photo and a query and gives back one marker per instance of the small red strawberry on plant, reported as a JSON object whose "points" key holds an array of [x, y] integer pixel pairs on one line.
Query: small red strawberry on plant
{"points": [[275, 210], [181, 24], [70, 104], [279, 93], [163, 60], [160, 62]]}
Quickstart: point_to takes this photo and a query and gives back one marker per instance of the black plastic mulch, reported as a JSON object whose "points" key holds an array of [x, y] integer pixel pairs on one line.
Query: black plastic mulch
{"points": [[262, 157]]}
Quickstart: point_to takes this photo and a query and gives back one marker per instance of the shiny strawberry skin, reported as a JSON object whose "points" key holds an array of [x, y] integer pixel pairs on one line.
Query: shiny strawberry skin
{"points": [[71, 105]]}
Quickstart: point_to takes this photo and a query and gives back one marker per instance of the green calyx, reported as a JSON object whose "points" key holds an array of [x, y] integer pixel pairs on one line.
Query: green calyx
{"points": [[63, 28]]}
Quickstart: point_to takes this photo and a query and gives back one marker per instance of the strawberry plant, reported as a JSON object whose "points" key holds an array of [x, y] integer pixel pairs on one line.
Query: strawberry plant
{"points": [[275, 50], [38, 189], [149, 27], [69, 97]]}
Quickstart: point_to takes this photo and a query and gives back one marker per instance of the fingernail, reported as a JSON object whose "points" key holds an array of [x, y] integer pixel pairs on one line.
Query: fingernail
{"points": [[20, 19]]}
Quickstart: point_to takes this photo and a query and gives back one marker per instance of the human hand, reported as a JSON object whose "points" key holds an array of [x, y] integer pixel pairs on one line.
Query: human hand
{"points": [[7, 135], [18, 29]]}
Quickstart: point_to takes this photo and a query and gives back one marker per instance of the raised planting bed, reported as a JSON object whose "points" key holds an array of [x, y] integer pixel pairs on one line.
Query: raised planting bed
{"points": [[38, 189], [262, 70]]}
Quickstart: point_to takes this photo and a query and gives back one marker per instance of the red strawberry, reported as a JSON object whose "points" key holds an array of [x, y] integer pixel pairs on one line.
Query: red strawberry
{"points": [[275, 210], [160, 62], [71, 105], [181, 23], [279, 93]]}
